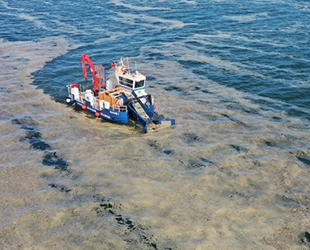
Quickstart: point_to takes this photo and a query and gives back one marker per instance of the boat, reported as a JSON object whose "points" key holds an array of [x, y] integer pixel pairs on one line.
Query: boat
{"points": [[116, 101]]}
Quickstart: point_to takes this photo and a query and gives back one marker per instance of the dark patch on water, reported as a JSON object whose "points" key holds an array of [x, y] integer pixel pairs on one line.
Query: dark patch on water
{"points": [[175, 88], [151, 78], [98, 198], [34, 138], [39, 144], [305, 238], [26, 123], [148, 242], [233, 119], [156, 56], [287, 201], [109, 208], [276, 119], [256, 163], [199, 163], [231, 194], [239, 149], [106, 206], [269, 144], [304, 160], [191, 137], [32, 135], [299, 202], [51, 159], [153, 144], [168, 152], [193, 164], [125, 221], [250, 111], [206, 91], [237, 107], [303, 157], [61, 188], [206, 160], [205, 102]]}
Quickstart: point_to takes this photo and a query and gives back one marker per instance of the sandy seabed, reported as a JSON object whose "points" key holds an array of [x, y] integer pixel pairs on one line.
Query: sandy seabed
{"points": [[229, 175]]}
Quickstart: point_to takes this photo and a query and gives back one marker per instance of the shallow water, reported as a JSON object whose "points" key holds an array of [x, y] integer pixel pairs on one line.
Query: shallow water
{"points": [[232, 174]]}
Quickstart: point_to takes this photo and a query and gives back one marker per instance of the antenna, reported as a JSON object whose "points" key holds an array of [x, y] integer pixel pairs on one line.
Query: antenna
{"points": [[128, 64]]}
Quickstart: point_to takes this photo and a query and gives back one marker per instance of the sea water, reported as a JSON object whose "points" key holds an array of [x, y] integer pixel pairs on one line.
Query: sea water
{"points": [[234, 171]]}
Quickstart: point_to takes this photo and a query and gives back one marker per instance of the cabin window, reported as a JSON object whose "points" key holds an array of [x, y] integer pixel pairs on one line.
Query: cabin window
{"points": [[126, 82], [139, 84]]}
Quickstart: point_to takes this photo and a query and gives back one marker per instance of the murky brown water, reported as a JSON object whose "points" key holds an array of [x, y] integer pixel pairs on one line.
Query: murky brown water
{"points": [[229, 175]]}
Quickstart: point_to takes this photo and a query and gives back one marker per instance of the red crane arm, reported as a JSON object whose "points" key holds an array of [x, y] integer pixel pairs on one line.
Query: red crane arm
{"points": [[85, 58]]}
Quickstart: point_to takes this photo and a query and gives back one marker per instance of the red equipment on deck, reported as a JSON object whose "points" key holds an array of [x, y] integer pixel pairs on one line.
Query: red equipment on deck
{"points": [[97, 71]]}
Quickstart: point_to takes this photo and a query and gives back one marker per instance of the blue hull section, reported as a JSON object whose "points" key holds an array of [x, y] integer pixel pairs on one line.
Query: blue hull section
{"points": [[111, 115], [115, 116]]}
